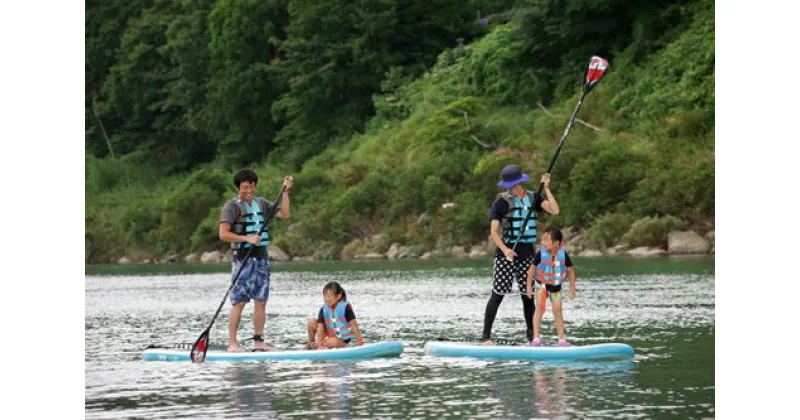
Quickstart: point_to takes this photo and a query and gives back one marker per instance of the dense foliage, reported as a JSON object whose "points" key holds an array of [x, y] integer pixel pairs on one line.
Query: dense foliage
{"points": [[383, 110]]}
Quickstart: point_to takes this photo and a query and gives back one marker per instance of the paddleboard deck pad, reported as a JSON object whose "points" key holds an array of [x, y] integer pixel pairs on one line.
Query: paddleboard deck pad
{"points": [[607, 351], [217, 353]]}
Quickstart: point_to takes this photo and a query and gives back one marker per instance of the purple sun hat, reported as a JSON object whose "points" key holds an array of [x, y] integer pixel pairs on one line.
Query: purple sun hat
{"points": [[512, 175]]}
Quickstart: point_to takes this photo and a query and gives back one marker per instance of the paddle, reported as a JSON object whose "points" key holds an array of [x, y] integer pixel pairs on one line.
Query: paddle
{"points": [[595, 71], [200, 347]]}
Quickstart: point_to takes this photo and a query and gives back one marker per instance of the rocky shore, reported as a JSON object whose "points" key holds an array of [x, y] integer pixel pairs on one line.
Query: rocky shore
{"points": [[678, 243]]}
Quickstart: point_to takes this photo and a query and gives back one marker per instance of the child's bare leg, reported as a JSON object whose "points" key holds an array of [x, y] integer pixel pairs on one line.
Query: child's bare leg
{"points": [[537, 318], [312, 334], [333, 342], [233, 327], [558, 315]]}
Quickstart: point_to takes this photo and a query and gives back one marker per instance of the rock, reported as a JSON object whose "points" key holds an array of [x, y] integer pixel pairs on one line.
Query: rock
{"points": [[687, 242], [574, 245], [190, 258], [172, 258], [568, 233], [309, 258], [211, 257], [277, 254], [446, 206], [490, 246], [478, 252], [590, 253], [644, 251], [710, 237], [124, 260], [458, 252], [395, 250], [406, 254], [573, 249], [426, 256], [373, 256], [616, 249]]}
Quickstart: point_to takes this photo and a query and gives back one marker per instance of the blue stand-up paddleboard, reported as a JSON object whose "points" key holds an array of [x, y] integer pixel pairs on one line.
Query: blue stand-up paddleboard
{"points": [[367, 351], [609, 351]]}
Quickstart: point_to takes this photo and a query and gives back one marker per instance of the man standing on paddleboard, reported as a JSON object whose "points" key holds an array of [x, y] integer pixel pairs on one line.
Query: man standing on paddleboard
{"points": [[513, 221], [240, 220]]}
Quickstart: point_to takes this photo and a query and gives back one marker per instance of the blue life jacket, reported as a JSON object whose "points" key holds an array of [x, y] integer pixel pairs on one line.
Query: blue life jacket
{"points": [[512, 222], [336, 324], [550, 271], [250, 220]]}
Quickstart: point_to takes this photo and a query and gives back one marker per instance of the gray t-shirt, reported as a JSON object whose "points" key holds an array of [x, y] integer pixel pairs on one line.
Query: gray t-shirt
{"points": [[230, 212]]}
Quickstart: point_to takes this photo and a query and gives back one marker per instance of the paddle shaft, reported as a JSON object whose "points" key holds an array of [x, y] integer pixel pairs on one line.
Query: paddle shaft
{"points": [[267, 219], [524, 226]]}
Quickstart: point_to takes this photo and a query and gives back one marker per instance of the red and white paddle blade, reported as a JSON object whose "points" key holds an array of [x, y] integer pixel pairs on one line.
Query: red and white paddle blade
{"points": [[198, 354], [594, 72]]}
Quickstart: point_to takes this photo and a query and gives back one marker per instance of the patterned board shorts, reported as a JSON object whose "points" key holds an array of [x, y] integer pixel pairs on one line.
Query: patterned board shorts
{"points": [[253, 282], [552, 295], [505, 272]]}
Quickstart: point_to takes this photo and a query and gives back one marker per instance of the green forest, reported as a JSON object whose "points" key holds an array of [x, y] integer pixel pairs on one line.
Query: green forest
{"points": [[383, 110]]}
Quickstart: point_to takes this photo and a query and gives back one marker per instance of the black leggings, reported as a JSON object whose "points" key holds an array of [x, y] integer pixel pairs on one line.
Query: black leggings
{"points": [[528, 308]]}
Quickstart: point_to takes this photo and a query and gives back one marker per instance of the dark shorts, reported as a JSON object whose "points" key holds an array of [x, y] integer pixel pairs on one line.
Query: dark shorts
{"points": [[506, 273], [554, 291], [253, 282]]}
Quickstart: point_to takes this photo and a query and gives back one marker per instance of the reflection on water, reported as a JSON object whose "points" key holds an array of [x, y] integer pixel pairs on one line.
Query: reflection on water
{"points": [[671, 328]]}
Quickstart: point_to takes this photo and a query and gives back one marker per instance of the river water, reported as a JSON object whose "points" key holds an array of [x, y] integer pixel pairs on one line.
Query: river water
{"points": [[663, 307]]}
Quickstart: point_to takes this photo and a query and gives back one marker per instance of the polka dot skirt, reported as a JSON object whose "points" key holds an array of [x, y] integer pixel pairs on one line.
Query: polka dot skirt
{"points": [[505, 272]]}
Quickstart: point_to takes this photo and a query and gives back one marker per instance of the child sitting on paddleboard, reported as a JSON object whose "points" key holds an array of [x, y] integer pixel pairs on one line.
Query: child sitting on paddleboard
{"points": [[336, 324], [551, 266]]}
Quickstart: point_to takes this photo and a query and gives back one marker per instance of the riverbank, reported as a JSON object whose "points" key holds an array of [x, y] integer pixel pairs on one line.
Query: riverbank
{"points": [[683, 242], [480, 266]]}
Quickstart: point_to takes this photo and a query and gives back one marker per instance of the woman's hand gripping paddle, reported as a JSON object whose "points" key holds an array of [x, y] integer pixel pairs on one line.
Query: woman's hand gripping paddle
{"points": [[200, 347]]}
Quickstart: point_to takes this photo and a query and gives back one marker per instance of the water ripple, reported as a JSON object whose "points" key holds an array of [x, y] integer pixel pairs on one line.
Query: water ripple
{"points": [[668, 318]]}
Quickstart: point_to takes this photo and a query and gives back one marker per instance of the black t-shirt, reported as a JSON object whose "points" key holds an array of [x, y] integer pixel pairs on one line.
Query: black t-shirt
{"points": [[349, 315], [500, 209]]}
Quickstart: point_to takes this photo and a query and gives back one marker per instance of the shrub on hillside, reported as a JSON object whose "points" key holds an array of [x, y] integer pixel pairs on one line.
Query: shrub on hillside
{"points": [[607, 230], [600, 182], [651, 231]]}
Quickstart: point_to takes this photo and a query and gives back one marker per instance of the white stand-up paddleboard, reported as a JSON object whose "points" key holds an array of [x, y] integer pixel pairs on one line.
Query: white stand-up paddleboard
{"points": [[613, 351], [367, 351]]}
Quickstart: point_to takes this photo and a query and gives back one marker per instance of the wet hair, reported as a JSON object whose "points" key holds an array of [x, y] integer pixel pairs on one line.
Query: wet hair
{"points": [[555, 234], [245, 175], [335, 289]]}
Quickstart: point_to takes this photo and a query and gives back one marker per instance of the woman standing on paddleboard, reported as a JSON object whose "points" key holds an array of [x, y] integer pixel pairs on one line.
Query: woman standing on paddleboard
{"points": [[513, 222]]}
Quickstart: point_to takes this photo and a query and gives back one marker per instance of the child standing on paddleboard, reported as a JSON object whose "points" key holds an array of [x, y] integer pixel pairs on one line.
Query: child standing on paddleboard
{"points": [[335, 326], [551, 266]]}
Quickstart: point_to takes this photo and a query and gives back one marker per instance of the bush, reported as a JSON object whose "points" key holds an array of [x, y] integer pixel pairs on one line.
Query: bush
{"points": [[651, 231], [206, 236], [354, 248], [468, 221], [181, 215], [600, 182], [607, 230], [327, 250], [683, 188]]}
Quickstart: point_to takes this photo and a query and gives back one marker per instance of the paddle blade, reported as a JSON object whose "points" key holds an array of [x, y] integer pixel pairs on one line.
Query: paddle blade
{"points": [[200, 347], [594, 73]]}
